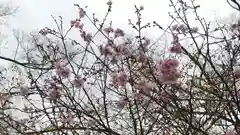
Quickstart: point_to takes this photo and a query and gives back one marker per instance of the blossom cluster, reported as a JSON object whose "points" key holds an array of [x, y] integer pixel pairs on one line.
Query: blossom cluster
{"points": [[168, 70], [177, 47], [120, 79]]}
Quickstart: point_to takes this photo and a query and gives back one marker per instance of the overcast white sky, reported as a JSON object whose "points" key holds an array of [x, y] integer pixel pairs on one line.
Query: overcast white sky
{"points": [[36, 14]]}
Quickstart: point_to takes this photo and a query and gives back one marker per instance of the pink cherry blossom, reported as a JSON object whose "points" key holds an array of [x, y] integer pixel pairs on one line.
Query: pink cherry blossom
{"points": [[121, 50], [141, 57], [107, 50], [138, 96], [60, 63], [76, 23], [167, 71], [170, 77], [61, 68], [81, 13], [119, 79], [174, 27], [168, 64], [72, 22], [63, 72], [122, 79], [45, 31], [141, 8], [86, 36], [54, 91], [54, 94], [176, 49], [119, 32], [175, 39], [78, 82], [108, 30], [194, 29], [109, 3], [67, 117], [145, 86], [182, 28], [230, 132]]}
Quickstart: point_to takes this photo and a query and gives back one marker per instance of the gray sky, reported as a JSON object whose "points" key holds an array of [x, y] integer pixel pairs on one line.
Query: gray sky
{"points": [[36, 13]]}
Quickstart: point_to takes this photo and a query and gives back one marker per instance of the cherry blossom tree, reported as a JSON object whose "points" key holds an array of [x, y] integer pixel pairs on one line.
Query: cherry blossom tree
{"points": [[125, 85]]}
